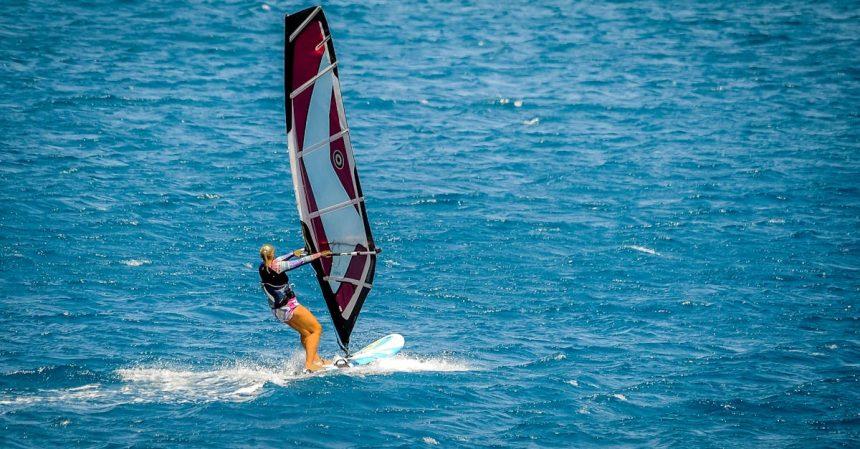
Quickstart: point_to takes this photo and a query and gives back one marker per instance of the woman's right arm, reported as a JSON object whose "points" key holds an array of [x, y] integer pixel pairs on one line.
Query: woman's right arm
{"points": [[287, 265]]}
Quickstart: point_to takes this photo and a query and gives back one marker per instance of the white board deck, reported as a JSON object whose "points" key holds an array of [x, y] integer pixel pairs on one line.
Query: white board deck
{"points": [[383, 348]]}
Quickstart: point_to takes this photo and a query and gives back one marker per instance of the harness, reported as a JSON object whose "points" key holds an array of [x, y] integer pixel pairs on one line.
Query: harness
{"points": [[283, 294]]}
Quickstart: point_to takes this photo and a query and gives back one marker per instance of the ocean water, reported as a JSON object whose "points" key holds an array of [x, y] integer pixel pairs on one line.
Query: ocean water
{"points": [[625, 225]]}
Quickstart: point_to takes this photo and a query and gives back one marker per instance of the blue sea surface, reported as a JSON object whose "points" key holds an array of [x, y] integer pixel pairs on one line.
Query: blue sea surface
{"points": [[620, 224]]}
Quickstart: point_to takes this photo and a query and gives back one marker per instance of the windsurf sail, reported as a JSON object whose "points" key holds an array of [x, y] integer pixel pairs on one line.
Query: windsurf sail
{"points": [[325, 178]]}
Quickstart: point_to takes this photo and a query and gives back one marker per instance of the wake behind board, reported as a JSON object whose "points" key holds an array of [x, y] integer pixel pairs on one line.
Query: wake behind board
{"points": [[384, 348]]}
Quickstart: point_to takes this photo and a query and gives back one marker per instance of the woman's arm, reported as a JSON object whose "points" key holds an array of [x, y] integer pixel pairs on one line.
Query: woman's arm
{"points": [[282, 263], [294, 253]]}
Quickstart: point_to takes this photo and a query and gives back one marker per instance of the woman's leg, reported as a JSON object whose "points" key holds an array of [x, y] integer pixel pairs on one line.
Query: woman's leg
{"points": [[309, 329]]}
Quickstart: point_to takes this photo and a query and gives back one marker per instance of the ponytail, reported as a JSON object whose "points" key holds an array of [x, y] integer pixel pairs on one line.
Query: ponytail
{"points": [[267, 253]]}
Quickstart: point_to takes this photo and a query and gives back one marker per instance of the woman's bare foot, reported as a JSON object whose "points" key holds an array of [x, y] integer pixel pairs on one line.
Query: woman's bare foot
{"points": [[316, 366]]}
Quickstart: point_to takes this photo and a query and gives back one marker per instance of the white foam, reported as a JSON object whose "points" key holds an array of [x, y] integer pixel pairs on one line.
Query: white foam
{"points": [[87, 392], [245, 381], [136, 262], [232, 382], [531, 122], [642, 249], [237, 381]]}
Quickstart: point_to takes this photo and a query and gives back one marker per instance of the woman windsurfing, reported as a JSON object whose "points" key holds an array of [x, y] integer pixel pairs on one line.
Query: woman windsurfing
{"points": [[283, 302]]}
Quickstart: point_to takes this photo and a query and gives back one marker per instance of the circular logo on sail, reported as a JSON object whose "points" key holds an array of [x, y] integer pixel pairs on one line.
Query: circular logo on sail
{"points": [[337, 157]]}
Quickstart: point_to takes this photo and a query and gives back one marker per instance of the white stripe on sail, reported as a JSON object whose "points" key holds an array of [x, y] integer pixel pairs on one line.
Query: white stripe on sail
{"points": [[347, 312], [343, 224], [298, 188]]}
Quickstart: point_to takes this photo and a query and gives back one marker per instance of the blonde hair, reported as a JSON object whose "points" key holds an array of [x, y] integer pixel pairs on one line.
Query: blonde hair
{"points": [[267, 253]]}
